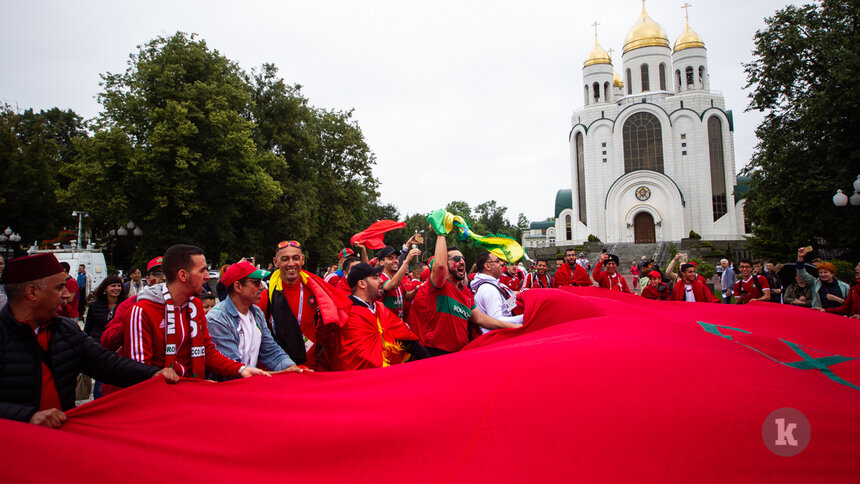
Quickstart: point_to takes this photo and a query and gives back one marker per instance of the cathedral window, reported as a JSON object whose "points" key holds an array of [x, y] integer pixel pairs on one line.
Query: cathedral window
{"points": [[580, 177], [689, 72], [702, 76], [677, 81], [586, 94], [629, 82], [643, 143], [718, 167], [605, 93], [596, 92], [568, 228], [662, 76], [646, 84]]}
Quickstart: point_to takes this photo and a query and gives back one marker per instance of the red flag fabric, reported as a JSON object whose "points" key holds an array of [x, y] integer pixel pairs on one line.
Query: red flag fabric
{"points": [[596, 386], [372, 236]]}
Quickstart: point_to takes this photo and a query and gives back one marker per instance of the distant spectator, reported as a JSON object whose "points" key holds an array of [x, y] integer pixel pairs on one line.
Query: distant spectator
{"points": [[69, 307], [799, 293], [827, 291], [851, 306]]}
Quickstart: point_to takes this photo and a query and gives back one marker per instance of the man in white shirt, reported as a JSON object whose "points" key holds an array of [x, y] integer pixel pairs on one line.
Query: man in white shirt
{"points": [[494, 299], [238, 327]]}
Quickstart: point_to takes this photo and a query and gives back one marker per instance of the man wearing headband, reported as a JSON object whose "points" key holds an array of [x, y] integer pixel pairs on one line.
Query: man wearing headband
{"points": [[43, 353], [297, 303]]}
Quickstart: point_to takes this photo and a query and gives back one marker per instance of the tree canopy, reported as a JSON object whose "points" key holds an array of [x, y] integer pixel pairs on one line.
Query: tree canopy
{"points": [[194, 149], [805, 78]]}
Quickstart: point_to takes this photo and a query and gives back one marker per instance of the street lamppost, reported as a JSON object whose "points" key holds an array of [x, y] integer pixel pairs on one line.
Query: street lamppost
{"points": [[8, 237], [130, 231], [80, 215], [842, 200]]}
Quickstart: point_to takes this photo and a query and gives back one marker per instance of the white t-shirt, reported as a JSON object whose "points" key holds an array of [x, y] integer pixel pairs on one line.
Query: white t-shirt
{"points": [[689, 296], [250, 338]]}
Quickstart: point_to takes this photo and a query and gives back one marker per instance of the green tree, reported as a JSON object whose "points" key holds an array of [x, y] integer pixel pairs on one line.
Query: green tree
{"points": [[805, 78], [34, 148], [190, 170]]}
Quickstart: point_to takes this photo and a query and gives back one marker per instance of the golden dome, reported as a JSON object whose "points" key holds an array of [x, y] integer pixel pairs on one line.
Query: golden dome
{"points": [[644, 33], [688, 39], [597, 56], [616, 79]]}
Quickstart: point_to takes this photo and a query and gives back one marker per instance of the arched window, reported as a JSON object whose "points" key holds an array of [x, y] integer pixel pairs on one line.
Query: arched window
{"points": [[568, 228], [586, 94], [580, 178], [702, 77], [677, 81], [718, 167], [643, 143], [606, 92], [629, 82], [662, 72], [595, 88], [646, 84], [689, 72]]}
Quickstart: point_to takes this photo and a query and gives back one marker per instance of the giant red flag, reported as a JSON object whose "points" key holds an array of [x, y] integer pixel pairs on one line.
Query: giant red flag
{"points": [[372, 236], [596, 386]]}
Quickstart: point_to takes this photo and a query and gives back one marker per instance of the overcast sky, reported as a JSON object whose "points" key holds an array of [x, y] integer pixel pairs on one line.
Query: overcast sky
{"points": [[460, 100]]}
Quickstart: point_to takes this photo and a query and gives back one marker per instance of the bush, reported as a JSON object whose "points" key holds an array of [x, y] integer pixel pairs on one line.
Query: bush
{"points": [[592, 238], [704, 269], [694, 235], [844, 270]]}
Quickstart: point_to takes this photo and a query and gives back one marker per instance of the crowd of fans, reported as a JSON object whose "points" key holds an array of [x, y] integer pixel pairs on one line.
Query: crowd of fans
{"points": [[363, 313]]}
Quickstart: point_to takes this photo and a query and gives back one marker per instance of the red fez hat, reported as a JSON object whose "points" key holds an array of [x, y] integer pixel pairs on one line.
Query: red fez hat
{"points": [[31, 268]]}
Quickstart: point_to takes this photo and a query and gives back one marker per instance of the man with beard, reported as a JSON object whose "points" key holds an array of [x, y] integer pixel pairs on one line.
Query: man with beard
{"points": [[540, 279], [571, 273], [373, 336], [610, 278], [444, 315], [394, 288], [689, 288]]}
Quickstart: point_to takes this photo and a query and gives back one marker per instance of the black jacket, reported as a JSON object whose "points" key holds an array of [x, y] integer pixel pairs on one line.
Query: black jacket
{"points": [[97, 318], [70, 351]]}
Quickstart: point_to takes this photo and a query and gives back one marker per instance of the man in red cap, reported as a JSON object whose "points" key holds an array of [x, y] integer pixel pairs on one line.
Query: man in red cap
{"points": [[656, 288], [238, 327], [167, 326], [344, 253], [42, 353]]}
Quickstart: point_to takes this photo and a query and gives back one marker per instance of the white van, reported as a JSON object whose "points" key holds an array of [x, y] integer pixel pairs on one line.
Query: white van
{"points": [[93, 259]]}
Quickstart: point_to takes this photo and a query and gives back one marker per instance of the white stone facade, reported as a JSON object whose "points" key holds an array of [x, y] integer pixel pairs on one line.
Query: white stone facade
{"points": [[679, 197]]}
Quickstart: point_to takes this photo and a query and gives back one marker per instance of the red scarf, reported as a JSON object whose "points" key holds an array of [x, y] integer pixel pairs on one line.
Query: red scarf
{"points": [[172, 315], [49, 397]]}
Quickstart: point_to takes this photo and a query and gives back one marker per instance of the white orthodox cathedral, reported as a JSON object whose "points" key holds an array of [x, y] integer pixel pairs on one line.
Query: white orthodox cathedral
{"points": [[652, 149]]}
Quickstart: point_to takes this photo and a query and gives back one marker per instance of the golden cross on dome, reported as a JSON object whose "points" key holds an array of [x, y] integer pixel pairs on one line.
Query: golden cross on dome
{"points": [[595, 24], [686, 6], [610, 53]]}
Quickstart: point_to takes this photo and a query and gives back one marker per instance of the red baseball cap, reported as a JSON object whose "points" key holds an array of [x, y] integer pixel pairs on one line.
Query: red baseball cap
{"points": [[241, 270], [155, 262], [344, 253]]}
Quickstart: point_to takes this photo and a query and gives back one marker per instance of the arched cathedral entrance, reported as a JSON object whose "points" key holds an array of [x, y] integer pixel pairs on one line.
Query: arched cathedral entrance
{"points": [[643, 228]]}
